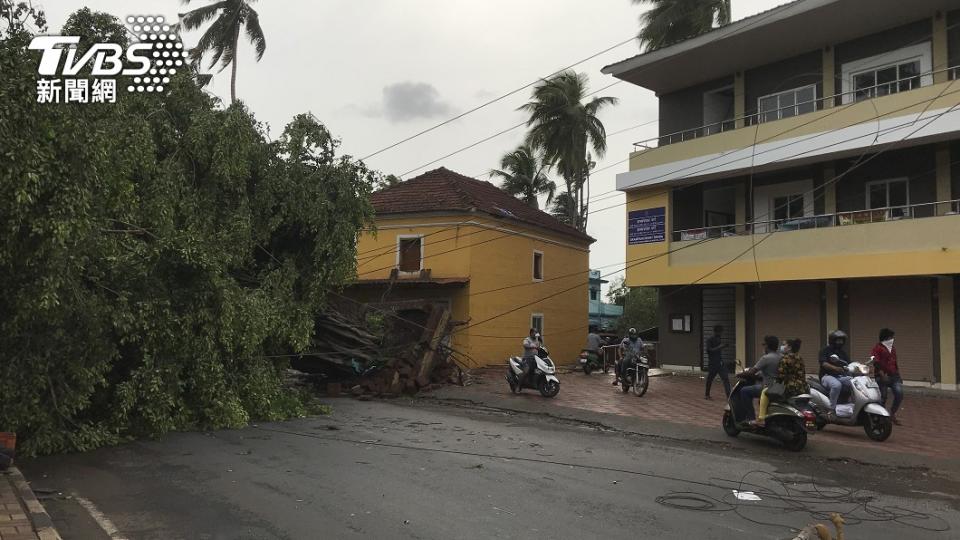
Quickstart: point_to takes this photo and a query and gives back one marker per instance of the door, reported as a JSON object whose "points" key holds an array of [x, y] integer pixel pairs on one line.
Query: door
{"points": [[904, 305], [720, 307], [790, 311]]}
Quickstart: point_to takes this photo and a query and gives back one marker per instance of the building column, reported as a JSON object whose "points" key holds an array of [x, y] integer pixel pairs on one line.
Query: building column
{"points": [[829, 189], [739, 99], [943, 179], [940, 49], [741, 324], [740, 211], [829, 76], [832, 318], [948, 340]]}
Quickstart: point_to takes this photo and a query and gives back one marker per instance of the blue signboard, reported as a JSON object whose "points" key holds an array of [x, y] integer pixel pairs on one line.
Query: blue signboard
{"points": [[646, 226]]}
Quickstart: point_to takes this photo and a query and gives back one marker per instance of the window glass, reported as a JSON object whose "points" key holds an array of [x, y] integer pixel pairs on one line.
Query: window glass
{"points": [[909, 75], [863, 85], [787, 102], [538, 266], [796, 206], [805, 100], [768, 109], [780, 208], [886, 78], [593, 294], [878, 196], [897, 194]]}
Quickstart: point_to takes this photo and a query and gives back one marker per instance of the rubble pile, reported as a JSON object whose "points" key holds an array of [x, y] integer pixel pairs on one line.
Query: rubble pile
{"points": [[408, 352]]}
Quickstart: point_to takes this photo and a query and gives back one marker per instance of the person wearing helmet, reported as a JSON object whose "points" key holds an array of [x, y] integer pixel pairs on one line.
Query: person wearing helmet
{"points": [[630, 348], [531, 346], [833, 364]]}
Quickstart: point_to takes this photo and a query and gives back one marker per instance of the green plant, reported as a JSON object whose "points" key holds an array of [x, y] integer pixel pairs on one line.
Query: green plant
{"points": [[158, 255]]}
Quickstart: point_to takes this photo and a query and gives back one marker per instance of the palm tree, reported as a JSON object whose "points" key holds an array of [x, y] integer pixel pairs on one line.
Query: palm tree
{"points": [[672, 21], [524, 177], [566, 128], [565, 209], [222, 38]]}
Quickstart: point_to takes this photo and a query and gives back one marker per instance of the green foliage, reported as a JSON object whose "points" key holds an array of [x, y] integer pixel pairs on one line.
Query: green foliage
{"points": [[154, 253], [671, 21], [222, 38], [565, 126], [639, 306], [523, 173]]}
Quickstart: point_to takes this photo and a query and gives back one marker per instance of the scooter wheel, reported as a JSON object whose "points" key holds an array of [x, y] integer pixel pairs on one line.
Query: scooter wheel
{"points": [[549, 389], [729, 425], [587, 369]]}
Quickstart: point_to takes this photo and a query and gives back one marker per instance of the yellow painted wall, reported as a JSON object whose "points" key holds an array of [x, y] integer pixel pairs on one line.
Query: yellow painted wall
{"points": [[891, 106], [493, 256], [645, 262], [899, 248], [508, 262]]}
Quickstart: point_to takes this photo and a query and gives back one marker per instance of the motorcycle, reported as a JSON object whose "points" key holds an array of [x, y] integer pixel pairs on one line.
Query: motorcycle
{"points": [[592, 361], [542, 377], [787, 421], [636, 375], [859, 405]]}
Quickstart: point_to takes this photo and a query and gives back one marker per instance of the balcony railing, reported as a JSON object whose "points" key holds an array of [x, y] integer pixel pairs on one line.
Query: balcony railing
{"points": [[839, 219], [818, 104]]}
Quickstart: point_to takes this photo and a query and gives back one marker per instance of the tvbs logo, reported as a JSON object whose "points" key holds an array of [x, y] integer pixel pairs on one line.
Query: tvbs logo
{"points": [[151, 61]]}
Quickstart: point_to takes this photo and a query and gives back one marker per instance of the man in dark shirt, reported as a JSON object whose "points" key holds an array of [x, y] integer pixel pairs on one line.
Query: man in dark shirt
{"points": [[715, 346], [833, 370]]}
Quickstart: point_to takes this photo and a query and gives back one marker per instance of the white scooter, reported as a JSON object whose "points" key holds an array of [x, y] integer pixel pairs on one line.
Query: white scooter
{"points": [[542, 377], [858, 406]]}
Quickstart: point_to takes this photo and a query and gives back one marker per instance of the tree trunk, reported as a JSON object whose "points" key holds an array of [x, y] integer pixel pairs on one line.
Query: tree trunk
{"points": [[233, 82], [233, 68]]}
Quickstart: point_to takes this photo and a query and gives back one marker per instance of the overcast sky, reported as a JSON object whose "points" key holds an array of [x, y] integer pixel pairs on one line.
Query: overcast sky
{"points": [[376, 71]]}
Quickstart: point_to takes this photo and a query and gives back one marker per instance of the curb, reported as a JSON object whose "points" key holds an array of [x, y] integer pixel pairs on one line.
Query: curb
{"points": [[39, 517]]}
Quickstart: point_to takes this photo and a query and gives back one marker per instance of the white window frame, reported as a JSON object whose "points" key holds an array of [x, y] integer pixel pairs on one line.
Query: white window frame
{"points": [[887, 182], [533, 268], [534, 316], [400, 238], [921, 51], [763, 197], [779, 110], [710, 128]]}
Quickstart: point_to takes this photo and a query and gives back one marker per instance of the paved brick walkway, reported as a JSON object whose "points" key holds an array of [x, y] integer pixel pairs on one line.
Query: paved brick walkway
{"points": [[14, 521], [930, 425]]}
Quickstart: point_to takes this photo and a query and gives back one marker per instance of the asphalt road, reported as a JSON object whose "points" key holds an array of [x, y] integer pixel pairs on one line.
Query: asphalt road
{"points": [[410, 469]]}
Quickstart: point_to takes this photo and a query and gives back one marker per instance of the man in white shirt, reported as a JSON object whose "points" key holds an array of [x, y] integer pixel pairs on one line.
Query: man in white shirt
{"points": [[531, 345]]}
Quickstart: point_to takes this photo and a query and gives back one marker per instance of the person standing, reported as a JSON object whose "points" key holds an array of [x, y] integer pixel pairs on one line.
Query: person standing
{"points": [[715, 365], [887, 371]]}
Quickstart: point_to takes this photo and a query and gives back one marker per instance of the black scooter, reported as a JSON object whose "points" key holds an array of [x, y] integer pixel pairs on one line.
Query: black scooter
{"points": [[787, 421]]}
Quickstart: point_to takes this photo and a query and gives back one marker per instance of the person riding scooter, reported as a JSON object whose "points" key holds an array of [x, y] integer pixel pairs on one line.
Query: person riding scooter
{"points": [[630, 348], [766, 370], [531, 345], [833, 363]]}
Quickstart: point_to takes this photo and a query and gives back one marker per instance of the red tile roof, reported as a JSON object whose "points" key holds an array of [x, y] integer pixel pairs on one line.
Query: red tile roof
{"points": [[442, 190]]}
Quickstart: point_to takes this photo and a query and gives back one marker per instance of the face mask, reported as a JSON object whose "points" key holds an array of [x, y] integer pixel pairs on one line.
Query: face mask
{"points": [[888, 343]]}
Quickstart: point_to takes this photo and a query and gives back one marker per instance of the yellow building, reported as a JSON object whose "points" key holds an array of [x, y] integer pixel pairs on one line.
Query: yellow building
{"points": [[502, 266], [806, 178]]}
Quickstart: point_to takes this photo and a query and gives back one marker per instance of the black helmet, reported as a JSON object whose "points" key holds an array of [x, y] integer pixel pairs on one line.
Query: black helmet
{"points": [[837, 336]]}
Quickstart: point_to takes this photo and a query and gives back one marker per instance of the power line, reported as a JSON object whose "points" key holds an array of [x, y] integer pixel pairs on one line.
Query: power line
{"points": [[490, 137], [759, 19], [495, 100], [928, 101]]}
